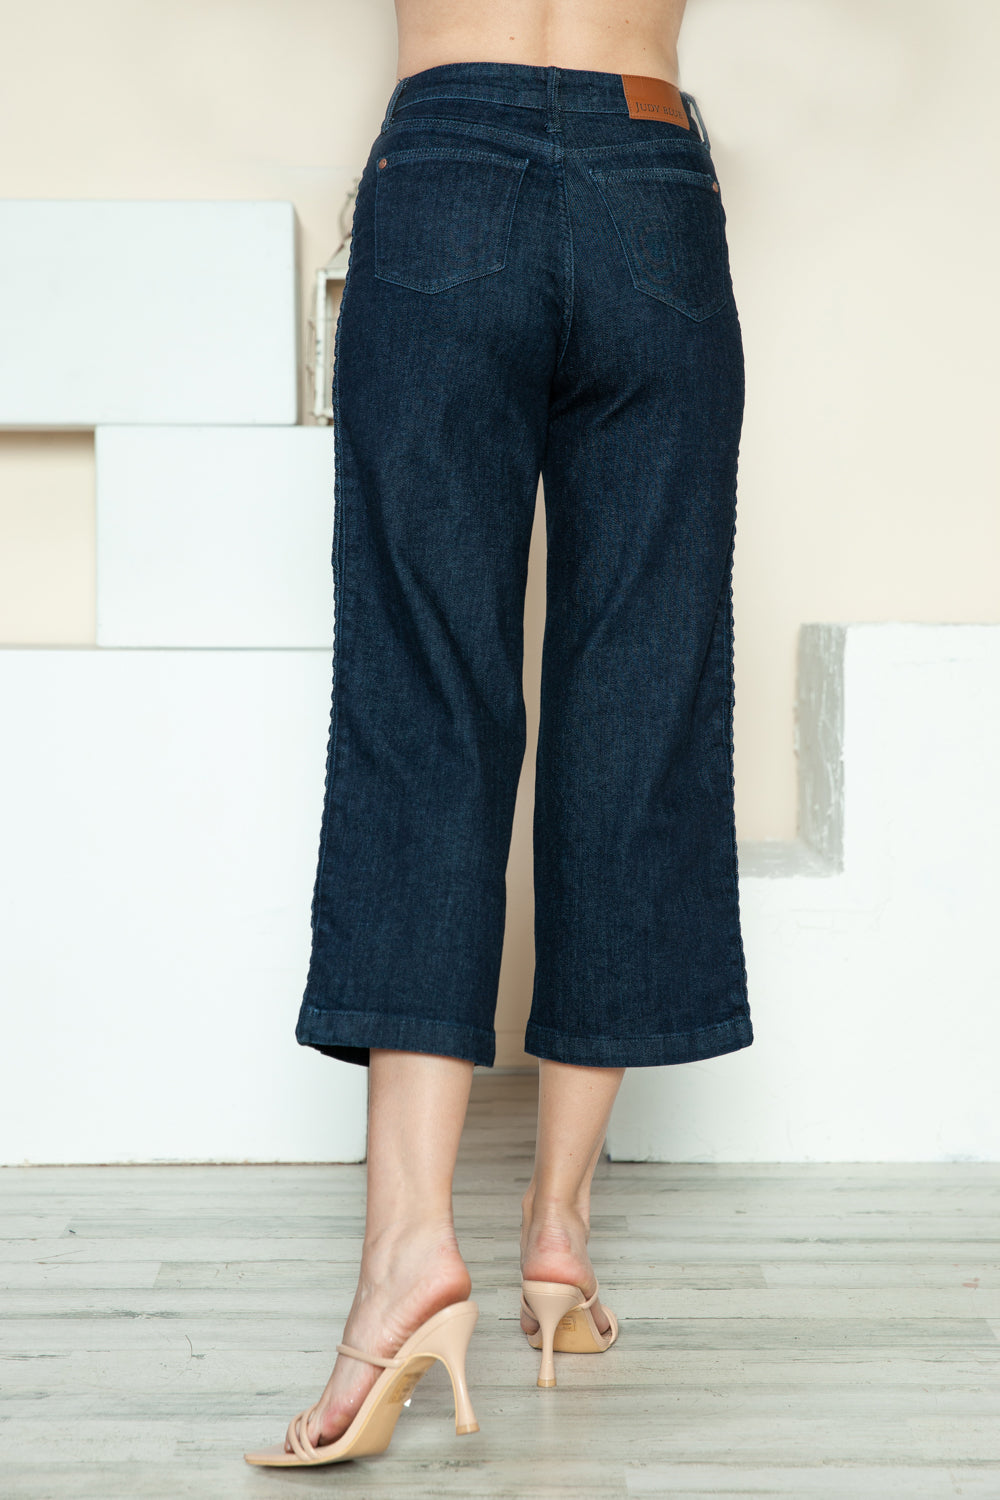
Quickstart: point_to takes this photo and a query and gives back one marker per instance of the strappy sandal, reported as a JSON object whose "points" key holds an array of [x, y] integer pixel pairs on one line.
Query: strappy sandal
{"points": [[445, 1336], [565, 1321]]}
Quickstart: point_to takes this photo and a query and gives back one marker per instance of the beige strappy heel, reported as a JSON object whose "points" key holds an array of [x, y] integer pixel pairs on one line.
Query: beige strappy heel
{"points": [[566, 1323], [445, 1336]]}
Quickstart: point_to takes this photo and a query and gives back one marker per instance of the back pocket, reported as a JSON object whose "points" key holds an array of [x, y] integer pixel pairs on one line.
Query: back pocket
{"points": [[672, 228], [443, 214]]}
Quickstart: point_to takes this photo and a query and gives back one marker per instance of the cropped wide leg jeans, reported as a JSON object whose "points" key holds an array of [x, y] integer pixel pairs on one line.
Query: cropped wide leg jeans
{"points": [[538, 284]]}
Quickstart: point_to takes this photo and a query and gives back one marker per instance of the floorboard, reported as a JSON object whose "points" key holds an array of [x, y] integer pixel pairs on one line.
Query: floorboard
{"points": [[824, 1330]]}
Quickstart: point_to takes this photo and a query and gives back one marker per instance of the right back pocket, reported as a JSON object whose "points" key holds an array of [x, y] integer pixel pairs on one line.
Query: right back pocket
{"points": [[671, 225]]}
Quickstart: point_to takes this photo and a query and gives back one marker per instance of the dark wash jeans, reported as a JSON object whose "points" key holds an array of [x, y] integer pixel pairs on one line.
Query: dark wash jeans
{"points": [[537, 283]]}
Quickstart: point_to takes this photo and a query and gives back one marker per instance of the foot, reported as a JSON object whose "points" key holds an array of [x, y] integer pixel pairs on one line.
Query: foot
{"points": [[554, 1248], [406, 1277]]}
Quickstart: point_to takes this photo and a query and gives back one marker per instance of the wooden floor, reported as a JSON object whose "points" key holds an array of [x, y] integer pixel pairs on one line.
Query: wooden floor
{"points": [[786, 1331]]}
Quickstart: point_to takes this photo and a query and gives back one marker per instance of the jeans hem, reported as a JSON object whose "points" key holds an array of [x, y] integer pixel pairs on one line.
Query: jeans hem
{"points": [[349, 1035], [639, 1051]]}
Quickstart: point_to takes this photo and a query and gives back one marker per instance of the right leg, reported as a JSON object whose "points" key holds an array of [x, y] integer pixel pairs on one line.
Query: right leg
{"points": [[574, 1106]]}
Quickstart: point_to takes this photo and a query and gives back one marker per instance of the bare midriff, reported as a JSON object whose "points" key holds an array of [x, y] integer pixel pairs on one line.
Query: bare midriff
{"points": [[608, 36]]}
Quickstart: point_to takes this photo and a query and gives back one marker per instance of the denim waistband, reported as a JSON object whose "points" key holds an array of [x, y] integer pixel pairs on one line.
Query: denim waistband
{"points": [[527, 86]]}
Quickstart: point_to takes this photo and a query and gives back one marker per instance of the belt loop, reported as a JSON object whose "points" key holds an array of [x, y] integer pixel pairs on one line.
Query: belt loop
{"points": [[692, 107], [552, 77], [400, 85]]}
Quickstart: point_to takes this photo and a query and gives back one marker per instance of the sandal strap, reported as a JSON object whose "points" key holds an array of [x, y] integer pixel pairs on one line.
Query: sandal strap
{"points": [[589, 1302], [301, 1446], [371, 1359]]}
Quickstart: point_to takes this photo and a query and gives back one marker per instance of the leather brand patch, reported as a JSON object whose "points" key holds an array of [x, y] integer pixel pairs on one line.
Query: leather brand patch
{"points": [[654, 99]]}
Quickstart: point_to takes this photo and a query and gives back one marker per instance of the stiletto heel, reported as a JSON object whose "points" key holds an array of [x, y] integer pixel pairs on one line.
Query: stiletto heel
{"points": [[566, 1323], [549, 1303], [445, 1336], [449, 1343]]}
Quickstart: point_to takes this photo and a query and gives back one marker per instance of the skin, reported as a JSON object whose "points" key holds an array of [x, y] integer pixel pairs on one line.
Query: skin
{"points": [[611, 36], [411, 1265]]}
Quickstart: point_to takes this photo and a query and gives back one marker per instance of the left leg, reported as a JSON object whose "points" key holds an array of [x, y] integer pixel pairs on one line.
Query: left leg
{"points": [[411, 1266]]}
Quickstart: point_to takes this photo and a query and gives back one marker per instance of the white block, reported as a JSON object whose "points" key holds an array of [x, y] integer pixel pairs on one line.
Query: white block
{"points": [[147, 312], [214, 536], [160, 815], [872, 956]]}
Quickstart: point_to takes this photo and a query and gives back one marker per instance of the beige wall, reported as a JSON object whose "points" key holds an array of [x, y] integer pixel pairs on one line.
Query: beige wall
{"points": [[858, 149]]}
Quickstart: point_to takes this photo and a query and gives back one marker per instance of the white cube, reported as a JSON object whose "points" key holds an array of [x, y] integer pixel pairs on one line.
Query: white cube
{"points": [[147, 312], [215, 536], [161, 813]]}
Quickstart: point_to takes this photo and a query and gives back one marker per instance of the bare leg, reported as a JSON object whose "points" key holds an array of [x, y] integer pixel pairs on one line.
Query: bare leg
{"points": [[574, 1106], [410, 1262]]}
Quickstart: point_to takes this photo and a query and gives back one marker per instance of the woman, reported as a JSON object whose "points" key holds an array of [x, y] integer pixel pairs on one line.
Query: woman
{"points": [[539, 283]]}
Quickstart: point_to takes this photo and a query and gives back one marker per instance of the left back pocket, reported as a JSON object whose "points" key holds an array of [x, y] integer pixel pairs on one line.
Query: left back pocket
{"points": [[443, 214]]}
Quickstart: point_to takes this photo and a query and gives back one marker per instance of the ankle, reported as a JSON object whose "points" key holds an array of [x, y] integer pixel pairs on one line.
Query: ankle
{"points": [[559, 1237], [386, 1244], [554, 1208]]}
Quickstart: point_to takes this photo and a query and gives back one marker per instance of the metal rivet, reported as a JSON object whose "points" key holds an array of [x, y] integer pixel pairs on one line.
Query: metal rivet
{"points": [[382, 162]]}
